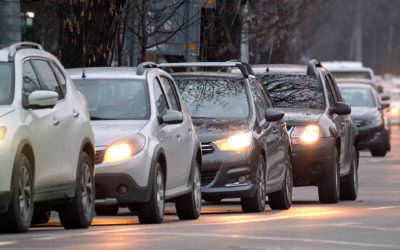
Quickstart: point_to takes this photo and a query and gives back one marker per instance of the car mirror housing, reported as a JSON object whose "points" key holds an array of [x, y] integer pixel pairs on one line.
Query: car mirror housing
{"points": [[42, 99], [341, 109], [273, 115], [172, 117], [385, 105], [385, 98]]}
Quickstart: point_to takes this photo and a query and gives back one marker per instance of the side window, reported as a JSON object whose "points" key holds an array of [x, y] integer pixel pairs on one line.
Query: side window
{"points": [[267, 97], [331, 95], [60, 77], [260, 103], [171, 93], [333, 83], [160, 99], [30, 81], [47, 76]]}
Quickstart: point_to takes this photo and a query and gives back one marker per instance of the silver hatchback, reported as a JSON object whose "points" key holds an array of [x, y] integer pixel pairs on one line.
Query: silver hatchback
{"points": [[147, 151]]}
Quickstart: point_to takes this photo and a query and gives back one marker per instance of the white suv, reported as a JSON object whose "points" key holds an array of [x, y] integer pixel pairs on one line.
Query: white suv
{"points": [[46, 142], [146, 148]]}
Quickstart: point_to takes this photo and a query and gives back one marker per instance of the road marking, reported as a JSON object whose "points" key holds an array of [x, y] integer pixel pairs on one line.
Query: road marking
{"points": [[250, 237], [6, 243], [379, 208]]}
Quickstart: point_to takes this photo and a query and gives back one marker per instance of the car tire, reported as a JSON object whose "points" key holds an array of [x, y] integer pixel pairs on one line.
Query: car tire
{"points": [[79, 213], [153, 210], [40, 216], [106, 210], [378, 152], [256, 203], [283, 198], [188, 207], [18, 217], [349, 183], [329, 186]]}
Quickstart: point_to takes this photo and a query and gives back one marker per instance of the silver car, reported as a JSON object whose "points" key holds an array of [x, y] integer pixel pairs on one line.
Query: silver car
{"points": [[147, 151]]}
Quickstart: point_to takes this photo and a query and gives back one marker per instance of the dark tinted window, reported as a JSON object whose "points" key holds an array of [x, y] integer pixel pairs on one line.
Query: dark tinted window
{"points": [[214, 98], [115, 99], [6, 83], [47, 76], [60, 76], [170, 92], [30, 81], [294, 91], [161, 100], [358, 97], [259, 102]]}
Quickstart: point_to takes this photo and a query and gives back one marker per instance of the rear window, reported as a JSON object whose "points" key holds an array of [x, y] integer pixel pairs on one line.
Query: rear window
{"points": [[352, 74], [6, 83], [358, 97], [214, 98], [294, 91]]}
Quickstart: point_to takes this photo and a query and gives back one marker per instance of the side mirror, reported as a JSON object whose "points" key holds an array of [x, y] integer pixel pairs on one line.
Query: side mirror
{"points": [[172, 117], [42, 99], [379, 88], [385, 105], [273, 115], [385, 98], [341, 109]]}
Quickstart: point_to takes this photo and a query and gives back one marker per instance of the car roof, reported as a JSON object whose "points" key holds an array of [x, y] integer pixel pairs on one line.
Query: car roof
{"points": [[209, 74], [106, 72], [356, 81], [342, 64], [354, 85], [296, 69], [5, 52]]}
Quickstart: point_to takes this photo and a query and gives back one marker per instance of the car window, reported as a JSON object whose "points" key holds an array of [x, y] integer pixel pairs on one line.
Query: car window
{"points": [[259, 102], [47, 76], [115, 99], [6, 83], [331, 93], [160, 99], [214, 97], [30, 81], [294, 91], [171, 94], [60, 77], [358, 97], [335, 87]]}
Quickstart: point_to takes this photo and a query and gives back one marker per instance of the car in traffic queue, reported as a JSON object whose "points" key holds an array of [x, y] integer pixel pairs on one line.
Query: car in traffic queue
{"points": [[246, 148], [46, 142], [369, 115], [147, 151], [323, 134], [394, 110]]}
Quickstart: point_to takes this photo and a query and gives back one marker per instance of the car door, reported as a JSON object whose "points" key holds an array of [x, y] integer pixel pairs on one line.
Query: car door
{"points": [[184, 132]]}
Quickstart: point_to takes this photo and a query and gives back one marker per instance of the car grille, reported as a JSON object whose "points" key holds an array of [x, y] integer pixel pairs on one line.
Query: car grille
{"points": [[207, 177], [360, 122], [207, 148], [99, 156]]}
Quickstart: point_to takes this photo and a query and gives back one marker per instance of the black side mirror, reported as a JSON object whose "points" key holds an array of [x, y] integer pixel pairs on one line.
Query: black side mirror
{"points": [[385, 105], [273, 115], [340, 109], [172, 117], [379, 89], [385, 98]]}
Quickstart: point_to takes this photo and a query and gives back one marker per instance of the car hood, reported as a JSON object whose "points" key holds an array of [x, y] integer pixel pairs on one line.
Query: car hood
{"points": [[364, 113], [107, 132], [5, 110], [208, 130], [297, 116]]}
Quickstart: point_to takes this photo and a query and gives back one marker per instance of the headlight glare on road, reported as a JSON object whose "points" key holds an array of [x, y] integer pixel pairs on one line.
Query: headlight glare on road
{"points": [[124, 150], [305, 134], [3, 131], [239, 142]]}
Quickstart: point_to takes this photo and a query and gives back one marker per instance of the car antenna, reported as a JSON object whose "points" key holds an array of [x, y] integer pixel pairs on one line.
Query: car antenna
{"points": [[269, 59], [83, 41]]}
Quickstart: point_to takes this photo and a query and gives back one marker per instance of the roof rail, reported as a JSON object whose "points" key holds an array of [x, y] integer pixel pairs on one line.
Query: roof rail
{"points": [[144, 65], [312, 65], [239, 65], [22, 45], [247, 65]]}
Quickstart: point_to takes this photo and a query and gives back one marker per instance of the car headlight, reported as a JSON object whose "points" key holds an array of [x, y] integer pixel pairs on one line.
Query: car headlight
{"points": [[394, 110], [377, 121], [3, 131], [239, 142], [123, 150], [305, 134]]}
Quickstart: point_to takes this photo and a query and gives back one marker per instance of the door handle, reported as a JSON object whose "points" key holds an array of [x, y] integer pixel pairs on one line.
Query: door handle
{"points": [[56, 121], [275, 131], [75, 113], [179, 138]]}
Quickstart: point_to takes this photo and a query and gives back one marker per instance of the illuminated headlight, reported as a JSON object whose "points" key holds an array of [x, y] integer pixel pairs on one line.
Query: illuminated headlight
{"points": [[3, 131], [305, 134], [376, 121], [123, 150], [394, 111], [239, 142]]}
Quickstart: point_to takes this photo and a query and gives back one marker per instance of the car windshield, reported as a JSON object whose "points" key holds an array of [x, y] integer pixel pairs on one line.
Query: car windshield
{"points": [[294, 91], [357, 97], [214, 98], [352, 74], [115, 99], [6, 83], [394, 96]]}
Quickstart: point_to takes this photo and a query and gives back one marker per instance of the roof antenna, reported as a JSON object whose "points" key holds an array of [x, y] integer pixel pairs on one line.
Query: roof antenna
{"points": [[269, 59], [83, 41]]}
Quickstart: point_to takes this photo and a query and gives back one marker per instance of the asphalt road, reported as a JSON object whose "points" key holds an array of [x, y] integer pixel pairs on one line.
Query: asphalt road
{"points": [[371, 222]]}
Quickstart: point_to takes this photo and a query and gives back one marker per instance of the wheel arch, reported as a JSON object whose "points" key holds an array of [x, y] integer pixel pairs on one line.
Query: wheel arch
{"points": [[87, 146]]}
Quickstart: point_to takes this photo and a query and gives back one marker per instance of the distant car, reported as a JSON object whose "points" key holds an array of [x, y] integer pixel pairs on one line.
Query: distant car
{"points": [[46, 142], [147, 150], [246, 148], [349, 70], [368, 112], [373, 84], [394, 110], [324, 136]]}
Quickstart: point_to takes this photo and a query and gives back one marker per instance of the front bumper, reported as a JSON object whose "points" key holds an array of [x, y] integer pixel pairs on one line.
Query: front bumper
{"points": [[372, 137], [221, 171], [310, 162], [5, 198]]}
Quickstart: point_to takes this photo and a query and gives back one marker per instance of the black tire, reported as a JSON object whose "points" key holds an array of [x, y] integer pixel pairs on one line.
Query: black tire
{"points": [[40, 216], [256, 203], [106, 210], [188, 207], [18, 217], [349, 183], [79, 213], [283, 198], [379, 152], [153, 210], [329, 186]]}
